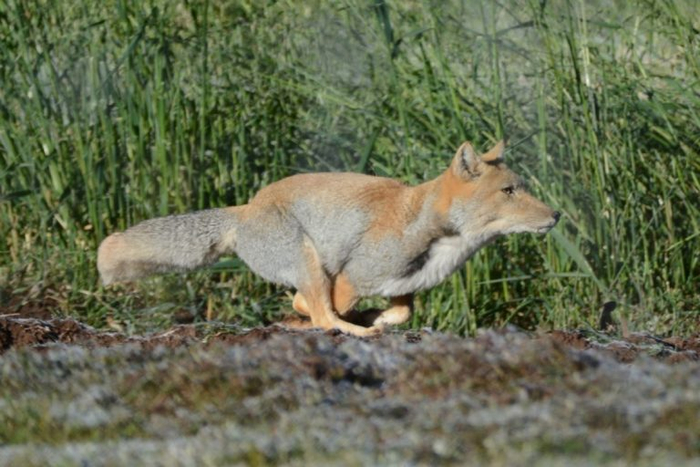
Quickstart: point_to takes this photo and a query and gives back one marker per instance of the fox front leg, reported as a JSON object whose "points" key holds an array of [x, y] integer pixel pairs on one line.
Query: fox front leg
{"points": [[398, 313]]}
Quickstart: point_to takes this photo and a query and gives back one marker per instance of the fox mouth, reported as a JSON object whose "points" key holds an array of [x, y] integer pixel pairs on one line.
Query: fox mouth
{"points": [[546, 228]]}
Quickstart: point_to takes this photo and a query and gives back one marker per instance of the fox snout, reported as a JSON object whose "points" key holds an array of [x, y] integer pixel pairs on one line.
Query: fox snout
{"points": [[522, 212], [555, 220], [556, 215]]}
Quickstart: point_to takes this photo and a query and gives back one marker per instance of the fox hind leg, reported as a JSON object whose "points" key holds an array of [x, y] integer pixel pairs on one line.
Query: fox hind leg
{"points": [[299, 304], [343, 297], [315, 297]]}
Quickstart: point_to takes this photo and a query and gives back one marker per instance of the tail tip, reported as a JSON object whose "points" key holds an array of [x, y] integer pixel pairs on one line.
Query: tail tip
{"points": [[108, 258]]}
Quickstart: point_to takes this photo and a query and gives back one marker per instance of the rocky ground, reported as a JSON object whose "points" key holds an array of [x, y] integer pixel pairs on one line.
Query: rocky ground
{"points": [[213, 394]]}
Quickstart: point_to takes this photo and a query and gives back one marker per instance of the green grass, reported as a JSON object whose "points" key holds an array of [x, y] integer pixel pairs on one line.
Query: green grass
{"points": [[113, 112]]}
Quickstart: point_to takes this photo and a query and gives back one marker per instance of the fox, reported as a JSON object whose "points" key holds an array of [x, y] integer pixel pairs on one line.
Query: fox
{"points": [[336, 238]]}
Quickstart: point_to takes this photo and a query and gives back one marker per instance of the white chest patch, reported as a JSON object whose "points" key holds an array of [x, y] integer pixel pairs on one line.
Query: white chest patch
{"points": [[444, 257]]}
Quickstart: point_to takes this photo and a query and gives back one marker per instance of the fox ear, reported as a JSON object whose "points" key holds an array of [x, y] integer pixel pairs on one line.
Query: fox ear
{"points": [[495, 155], [465, 163]]}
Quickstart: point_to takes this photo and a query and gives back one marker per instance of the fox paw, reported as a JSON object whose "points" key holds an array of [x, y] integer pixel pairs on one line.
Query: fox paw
{"points": [[356, 330]]}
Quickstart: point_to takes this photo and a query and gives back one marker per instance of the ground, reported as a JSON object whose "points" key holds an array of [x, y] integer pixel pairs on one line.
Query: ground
{"points": [[216, 394]]}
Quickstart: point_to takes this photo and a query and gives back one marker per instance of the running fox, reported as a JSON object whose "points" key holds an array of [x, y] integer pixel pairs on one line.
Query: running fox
{"points": [[338, 237]]}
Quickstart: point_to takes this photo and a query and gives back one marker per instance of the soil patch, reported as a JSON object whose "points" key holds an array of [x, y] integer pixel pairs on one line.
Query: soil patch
{"points": [[38, 333], [19, 306]]}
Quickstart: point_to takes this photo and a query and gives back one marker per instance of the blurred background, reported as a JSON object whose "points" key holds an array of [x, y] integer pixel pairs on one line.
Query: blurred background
{"points": [[112, 112]]}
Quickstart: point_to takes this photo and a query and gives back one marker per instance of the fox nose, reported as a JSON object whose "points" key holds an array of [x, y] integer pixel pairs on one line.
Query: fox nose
{"points": [[556, 215]]}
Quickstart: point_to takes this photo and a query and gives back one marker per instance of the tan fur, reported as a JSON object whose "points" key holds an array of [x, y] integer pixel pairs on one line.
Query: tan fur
{"points": [[111, 252], [299, 304], [399, 313], [339, 237], [343, 294], [343, 297]]}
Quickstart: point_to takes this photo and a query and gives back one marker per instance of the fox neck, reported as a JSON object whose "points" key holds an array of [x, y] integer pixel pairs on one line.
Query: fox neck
{"points": [[436, 246], [430, 255], [435, 215], [435, 221]]}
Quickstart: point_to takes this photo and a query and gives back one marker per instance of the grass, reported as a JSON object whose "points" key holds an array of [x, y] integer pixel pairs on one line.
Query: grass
{"points": [[113, 112]]}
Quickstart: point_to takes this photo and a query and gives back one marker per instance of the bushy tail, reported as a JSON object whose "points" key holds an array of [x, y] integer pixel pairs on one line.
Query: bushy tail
{"points": [[167, 244]]}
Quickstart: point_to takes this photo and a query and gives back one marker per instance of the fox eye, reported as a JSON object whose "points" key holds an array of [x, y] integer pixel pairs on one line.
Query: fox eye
{"points": [[509, 190]]}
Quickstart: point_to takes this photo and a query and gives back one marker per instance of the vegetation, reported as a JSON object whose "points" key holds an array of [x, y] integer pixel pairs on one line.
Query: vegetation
{"points": [[113, 112]]}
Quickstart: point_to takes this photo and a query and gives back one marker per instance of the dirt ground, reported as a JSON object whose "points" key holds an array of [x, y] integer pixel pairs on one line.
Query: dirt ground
{"points": [[214, 394], [39, 334]]}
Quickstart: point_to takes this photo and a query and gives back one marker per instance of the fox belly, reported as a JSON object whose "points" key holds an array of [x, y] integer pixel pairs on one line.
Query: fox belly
{"points": [[272, 250], [272, 240]]}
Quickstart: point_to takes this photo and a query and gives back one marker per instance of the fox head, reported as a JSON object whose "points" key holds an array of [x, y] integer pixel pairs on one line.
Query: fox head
{"points": [[481, 195]]}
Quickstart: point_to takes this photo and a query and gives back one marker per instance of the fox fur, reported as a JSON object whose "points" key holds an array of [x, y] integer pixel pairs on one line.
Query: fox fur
{"points": [[338, 237]]}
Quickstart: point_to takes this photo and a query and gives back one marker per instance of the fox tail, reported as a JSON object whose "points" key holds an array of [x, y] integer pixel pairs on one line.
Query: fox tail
{"points": [[167, 244]]}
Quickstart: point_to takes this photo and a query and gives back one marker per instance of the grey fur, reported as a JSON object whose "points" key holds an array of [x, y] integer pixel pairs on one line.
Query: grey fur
{"points": [[174, 243], [334, 213]]}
